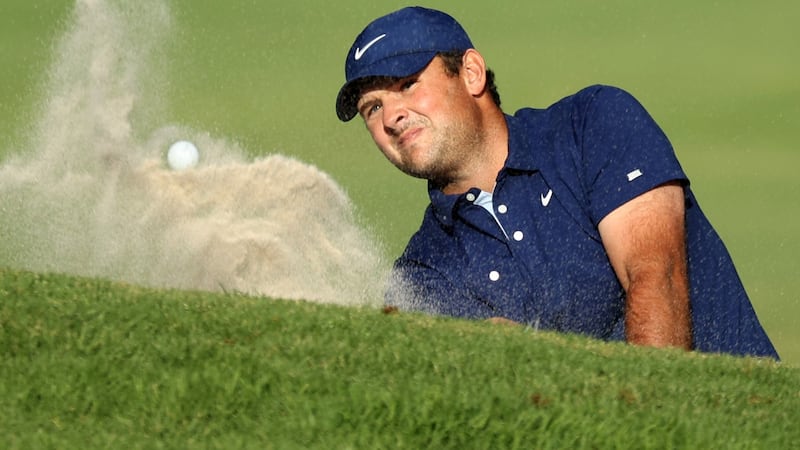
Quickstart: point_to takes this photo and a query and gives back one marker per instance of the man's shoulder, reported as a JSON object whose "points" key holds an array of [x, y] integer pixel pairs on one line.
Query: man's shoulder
{"points": [[585, 96], [596, 109]]}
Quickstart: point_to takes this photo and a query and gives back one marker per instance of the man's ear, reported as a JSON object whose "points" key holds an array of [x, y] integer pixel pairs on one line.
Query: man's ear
{"points": [[473, 69]]}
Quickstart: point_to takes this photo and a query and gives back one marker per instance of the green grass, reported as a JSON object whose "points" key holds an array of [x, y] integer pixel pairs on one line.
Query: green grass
{"points": [[94, 364]]}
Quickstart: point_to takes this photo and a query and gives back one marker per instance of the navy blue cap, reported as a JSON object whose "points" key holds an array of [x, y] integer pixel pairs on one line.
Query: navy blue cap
{"points": [[397, 45]]}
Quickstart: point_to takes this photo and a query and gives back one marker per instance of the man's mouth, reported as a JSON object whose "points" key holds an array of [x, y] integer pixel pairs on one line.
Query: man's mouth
{"points": [[408, 136]]}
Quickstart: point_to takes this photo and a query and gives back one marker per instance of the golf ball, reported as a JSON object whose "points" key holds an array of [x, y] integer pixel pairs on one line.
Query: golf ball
{"points": [[182, 155]]}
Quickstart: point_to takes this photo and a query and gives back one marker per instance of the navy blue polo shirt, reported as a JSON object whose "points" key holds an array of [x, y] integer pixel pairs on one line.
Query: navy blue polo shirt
{"points": [[540, 260]]}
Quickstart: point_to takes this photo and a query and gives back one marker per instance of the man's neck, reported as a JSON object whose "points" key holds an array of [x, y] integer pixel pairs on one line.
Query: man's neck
{"points": [[482, 171]]}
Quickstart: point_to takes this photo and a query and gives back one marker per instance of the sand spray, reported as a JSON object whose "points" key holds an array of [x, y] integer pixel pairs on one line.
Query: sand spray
{"points": [[88, 191]]}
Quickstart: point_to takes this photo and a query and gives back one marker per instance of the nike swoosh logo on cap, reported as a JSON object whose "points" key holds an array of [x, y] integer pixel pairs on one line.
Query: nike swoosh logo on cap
{"points": [[360, 51]]}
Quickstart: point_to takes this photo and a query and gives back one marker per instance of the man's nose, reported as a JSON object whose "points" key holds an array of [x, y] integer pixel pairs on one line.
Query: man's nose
{"points": [[394, 113]]}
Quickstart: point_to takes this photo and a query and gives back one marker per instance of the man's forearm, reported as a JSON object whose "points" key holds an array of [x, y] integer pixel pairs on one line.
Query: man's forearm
{"points": [[657, 313]]}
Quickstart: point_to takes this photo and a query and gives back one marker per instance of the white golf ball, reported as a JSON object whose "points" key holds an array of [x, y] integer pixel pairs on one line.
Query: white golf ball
{"points": [[182, 155]]}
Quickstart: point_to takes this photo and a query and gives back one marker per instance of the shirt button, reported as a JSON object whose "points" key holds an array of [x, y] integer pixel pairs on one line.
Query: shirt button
{"points": [[470, 197], [494, 275], [518, 235], [502, 209]]}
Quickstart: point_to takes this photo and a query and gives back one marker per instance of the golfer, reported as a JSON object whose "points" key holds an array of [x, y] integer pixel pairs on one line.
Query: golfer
{"points": [[576, 218]]}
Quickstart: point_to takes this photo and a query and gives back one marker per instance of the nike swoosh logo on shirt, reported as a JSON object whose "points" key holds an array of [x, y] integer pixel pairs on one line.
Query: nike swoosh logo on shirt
{"points": [[546, 198], [360, 51]]}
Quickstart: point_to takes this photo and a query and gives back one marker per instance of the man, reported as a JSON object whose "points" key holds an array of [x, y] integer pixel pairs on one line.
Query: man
{"points": [[576, 218]]}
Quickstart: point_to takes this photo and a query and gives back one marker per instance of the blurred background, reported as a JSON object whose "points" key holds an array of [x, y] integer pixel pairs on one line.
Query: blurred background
{"points": [[721, 78]]}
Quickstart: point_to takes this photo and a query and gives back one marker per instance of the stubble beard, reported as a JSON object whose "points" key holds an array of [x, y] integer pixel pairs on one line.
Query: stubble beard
{"points": [[449, 154]]}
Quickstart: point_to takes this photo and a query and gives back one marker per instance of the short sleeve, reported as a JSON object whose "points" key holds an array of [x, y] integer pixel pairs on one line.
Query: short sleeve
{"points": [[625, 153]]}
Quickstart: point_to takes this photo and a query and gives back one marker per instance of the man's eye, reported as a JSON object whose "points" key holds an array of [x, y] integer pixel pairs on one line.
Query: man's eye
{"points": [[370, 109]]}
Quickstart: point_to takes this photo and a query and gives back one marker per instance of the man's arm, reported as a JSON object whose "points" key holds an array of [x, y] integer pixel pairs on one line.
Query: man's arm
{"points": [[645, 240]]}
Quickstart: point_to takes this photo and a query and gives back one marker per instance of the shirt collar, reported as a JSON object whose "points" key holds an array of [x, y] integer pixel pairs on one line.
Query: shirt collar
{"points": [[520, 158], [521, 144]]}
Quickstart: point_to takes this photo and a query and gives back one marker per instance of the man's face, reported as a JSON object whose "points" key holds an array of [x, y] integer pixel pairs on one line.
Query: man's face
{"points": [[425, 124]]}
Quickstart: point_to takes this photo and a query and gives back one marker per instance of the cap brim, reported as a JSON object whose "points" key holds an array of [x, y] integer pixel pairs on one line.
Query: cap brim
{"points": [[347, 100], [397, 66]]}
